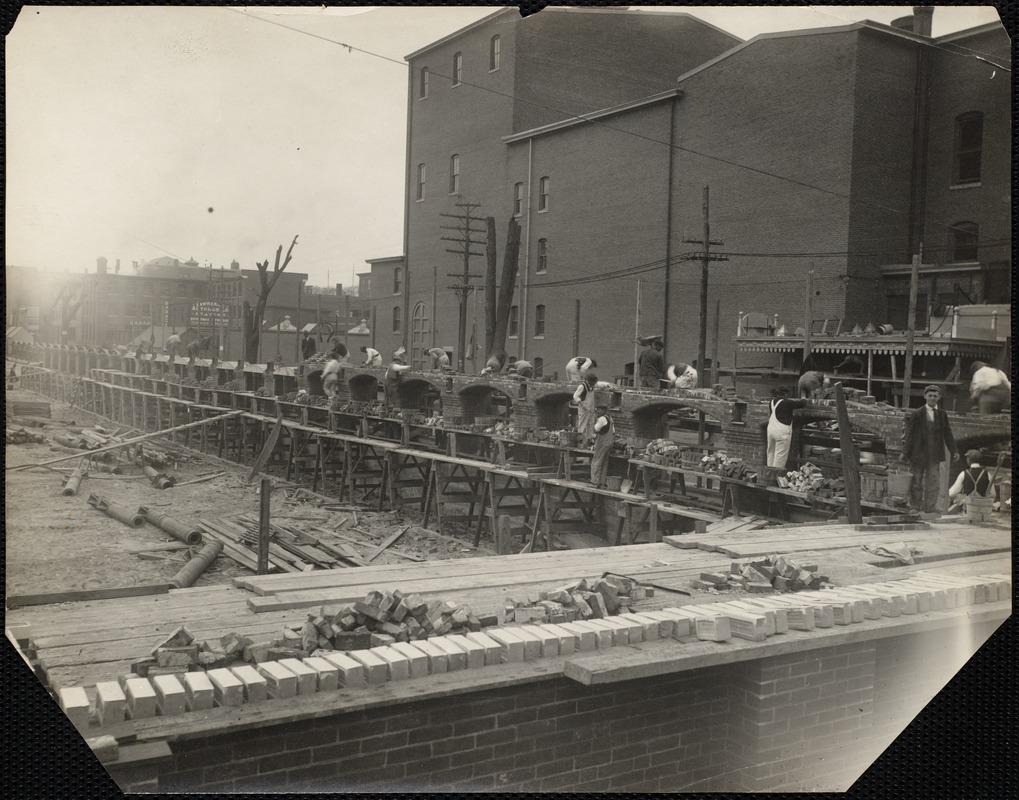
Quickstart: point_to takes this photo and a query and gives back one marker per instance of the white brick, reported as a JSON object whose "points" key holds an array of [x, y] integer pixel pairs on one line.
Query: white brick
{"points": [[587, 639], [327, 674], [512, 645], [456, 657], [141, 698], [74, 702], [170, 695], [438, 661], [475, 652], [549, 641], [111, 704], [649, 627], [307, 678], [256, 688], [350, 672], [603, 633], [567, 640], [531, 640], [199, 694], [397, 664], [493, 650], [227, 687], [280, 681], [418, 660]]}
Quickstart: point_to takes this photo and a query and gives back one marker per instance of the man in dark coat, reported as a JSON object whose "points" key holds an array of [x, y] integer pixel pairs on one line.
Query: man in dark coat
{"points": [[926, 437], [308, 346]]}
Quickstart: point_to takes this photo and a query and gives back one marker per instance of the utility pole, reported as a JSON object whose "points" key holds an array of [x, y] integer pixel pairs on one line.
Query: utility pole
{"points": [[809, 313], [914, 283], [705, 258], [464, 288]]}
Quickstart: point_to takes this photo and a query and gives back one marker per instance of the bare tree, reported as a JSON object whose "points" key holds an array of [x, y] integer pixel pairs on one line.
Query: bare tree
{"points": [[253, 316]]}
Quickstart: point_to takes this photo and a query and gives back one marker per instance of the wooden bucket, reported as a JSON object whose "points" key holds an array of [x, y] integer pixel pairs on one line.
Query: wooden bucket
{"points": [[978, 509]]}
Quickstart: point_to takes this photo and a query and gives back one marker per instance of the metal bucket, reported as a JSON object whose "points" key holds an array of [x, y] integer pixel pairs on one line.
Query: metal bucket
{"points": [[898, 484]]}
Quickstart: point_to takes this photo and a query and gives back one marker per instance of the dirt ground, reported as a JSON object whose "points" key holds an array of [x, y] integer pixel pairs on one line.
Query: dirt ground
{"points": [[62, 544]]}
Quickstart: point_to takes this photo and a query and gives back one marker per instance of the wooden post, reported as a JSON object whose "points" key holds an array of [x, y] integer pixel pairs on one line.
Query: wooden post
{"points": [[503, 535], [576, 327], [870, 370], [850, 458], [636, 346], [715, 378], [809, 312], [263, 527], [914, 282]]}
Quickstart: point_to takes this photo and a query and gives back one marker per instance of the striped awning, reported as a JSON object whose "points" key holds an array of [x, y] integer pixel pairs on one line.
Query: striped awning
{"points": [[879, 345]]}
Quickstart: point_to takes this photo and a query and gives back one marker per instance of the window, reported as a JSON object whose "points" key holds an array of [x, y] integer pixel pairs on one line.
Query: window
{"points": [[493, 54], [454, 174], [543, 185], [518, 199], [458, 68], [396, 319], [423, 84], [421, 182], [539, 321], [969, 135], [964, 241], [542, 255], [397, 280], [514, 321]]}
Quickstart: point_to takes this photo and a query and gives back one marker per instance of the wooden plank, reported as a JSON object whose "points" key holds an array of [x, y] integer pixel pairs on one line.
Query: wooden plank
{"points": [[143, 590], [390, 540]]}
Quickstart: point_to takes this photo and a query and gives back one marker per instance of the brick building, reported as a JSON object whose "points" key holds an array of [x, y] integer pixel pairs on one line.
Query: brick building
{"points": [[816, 150]]}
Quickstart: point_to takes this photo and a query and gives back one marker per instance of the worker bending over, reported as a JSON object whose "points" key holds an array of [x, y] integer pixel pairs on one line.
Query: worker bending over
{"points": [[682, 376], [331, 377], [172, 346], [989, 389], [495, 363], [199, 347], [576, 367], [584, 398], [440, 359], [604, 435], [812, 383], [372, 357], [523, 369], [780, 426], [391, 383]]}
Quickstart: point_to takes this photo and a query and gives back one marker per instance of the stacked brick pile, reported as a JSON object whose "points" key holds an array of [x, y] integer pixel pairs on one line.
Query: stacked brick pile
{"points": [[763, 576], [809, 478], [586, 599]]}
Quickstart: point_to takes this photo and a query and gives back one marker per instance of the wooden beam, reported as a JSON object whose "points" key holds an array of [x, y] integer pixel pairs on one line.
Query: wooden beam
{"points": [[392, 539], [850, 458], [17, 601]]}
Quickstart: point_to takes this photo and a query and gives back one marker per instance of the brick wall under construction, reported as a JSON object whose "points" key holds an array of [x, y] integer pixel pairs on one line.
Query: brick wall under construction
{"points": [[806, 720]]}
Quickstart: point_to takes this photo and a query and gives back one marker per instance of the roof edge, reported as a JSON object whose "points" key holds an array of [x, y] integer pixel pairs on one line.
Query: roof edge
{"points": [[459, 32]]}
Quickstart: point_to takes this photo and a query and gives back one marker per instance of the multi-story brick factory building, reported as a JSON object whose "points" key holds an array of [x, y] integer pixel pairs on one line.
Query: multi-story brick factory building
{"points": [[598, 131]]}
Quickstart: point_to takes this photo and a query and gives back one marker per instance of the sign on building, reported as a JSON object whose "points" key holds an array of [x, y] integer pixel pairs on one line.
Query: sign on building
{"points": [[209, 313]]}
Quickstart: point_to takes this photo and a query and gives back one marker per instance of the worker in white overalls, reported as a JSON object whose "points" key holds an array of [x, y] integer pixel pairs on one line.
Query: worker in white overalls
{"points": [[780, 427], [584, 398]]}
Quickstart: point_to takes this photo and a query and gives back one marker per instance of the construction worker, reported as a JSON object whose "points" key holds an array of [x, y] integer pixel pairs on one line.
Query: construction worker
{"points": [[331, 377], [926, 436], [523, 369], [850, 365], [682, 376], [495, 363], [576, 367], [972, 480], [440, 358], [651, 363], [199, 347], [172, 346], [340, 353], [780, 426], [989, 389], [584, 398], [308, 346], [812, 383], [604, 435], [372, 357], [391, 383]]}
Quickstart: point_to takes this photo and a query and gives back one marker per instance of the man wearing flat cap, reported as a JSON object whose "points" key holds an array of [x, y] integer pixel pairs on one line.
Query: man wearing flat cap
{"points": [[926, 436]]}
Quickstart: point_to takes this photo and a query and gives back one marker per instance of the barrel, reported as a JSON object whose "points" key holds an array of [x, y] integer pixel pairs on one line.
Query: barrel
{"points": [[978, 509]]}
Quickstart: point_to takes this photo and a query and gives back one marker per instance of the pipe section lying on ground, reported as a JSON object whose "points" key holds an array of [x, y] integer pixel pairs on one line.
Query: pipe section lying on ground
{"points": [[177, 529], [159, 479], [74, 482], [189, 573], [117, 511]]}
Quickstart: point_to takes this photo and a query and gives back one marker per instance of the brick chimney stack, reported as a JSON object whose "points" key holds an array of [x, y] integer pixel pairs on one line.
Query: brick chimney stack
{"points": [[923, 20], [101, 265]]}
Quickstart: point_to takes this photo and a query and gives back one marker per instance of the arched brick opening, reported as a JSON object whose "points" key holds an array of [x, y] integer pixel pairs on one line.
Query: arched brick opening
{"points": [[364, 388], [651, 421], [315, 383], [419, 394], [554, 410], [485, 401]]}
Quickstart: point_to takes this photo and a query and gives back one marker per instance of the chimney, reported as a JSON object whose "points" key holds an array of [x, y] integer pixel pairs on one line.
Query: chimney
{"points": [[235, 266], [101, 265], [923, 20], [116, 267], [134, 265], [339, 290]]}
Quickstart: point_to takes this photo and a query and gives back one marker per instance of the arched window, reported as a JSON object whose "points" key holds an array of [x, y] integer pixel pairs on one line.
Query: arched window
{"points": [[493, 54], [543, 188], [423, 84], [539, 320], [518, 199], [421, 182], [965, 237], [542, 255], [969, 139], [396, 319], [454, 174], [397, 280], [514, 321], [458, 68]]}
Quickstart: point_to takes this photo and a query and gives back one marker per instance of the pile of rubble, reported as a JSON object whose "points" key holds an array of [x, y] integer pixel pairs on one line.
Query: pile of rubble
{"points": [[762, 576], [381, 618], [662, 451], [21, 436], [809, 478], [595, 598]]}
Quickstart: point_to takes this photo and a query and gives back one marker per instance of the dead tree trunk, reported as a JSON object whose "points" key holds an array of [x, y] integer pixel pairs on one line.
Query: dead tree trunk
{"points": [[507, 286], [490, 287], [253, 323]]}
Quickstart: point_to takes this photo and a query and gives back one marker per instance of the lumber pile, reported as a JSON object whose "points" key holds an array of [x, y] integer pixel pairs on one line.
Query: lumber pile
{"points": [[595, 598], [762, 576]]}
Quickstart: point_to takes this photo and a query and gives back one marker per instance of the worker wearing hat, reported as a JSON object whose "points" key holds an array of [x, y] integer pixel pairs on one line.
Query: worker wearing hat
{"points": [[651, 362], [926, 437], [391, 383], [972, 480]]}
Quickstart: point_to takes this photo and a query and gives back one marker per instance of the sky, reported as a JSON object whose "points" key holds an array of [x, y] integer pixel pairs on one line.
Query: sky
{"points": [[218, 134]]}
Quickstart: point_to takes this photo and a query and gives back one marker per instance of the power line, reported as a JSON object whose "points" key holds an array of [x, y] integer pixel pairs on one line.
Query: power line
{"points": [[584, 118]]}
